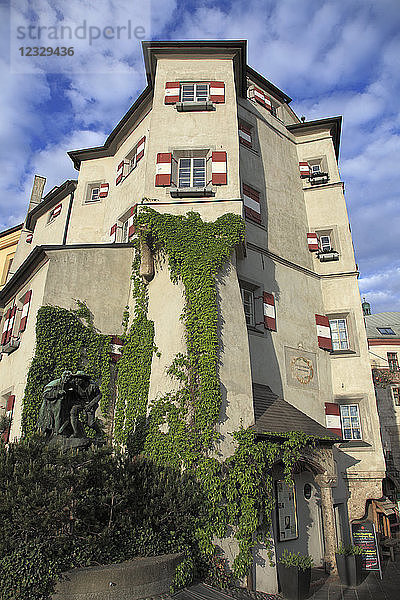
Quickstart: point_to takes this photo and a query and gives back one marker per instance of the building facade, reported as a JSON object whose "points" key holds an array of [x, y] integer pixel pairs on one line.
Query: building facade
{"points": [[211, 135], [8, 244], [383, 333]]}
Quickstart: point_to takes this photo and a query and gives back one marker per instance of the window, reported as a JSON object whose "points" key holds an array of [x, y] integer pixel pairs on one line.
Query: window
{"points": [[194, 92], [396, 395], [325, 243], [340, 339], [393, 361], [315, 168], [386, 330], [192, 172], [248, 305], [350, 417], [94, 195]]}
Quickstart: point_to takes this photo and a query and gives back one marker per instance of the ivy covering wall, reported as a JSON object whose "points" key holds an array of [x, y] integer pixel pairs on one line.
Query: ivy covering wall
{"points": [[179, 429]]}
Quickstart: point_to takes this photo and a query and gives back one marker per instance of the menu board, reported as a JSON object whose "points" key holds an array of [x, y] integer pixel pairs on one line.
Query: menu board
{"points": [[364, 536], [286, 508]]}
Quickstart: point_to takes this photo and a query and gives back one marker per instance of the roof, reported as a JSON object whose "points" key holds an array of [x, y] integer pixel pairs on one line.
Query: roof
{"points": [[275, 415], [267, 85], [50, 200], [335, 124], [11, 230], [383, 319]]}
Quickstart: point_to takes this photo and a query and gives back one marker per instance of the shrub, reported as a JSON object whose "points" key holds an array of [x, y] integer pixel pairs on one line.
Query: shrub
{"points": [[296, 559], [349, 550], [64, 510]]}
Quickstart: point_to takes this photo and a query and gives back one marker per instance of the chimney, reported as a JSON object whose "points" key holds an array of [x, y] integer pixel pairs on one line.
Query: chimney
{"points": [[37, 191]]}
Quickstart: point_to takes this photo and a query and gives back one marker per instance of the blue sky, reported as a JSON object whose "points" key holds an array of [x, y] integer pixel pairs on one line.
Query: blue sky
{"points": [[331, 57]]}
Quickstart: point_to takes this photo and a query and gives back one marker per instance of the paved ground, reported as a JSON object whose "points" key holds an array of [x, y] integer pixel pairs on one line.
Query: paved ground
{"points": [[322, 588], [372, 588]]}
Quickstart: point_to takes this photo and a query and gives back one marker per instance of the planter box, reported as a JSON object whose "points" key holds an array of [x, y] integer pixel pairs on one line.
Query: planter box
{"points": [[295, 584], [349, 568]]}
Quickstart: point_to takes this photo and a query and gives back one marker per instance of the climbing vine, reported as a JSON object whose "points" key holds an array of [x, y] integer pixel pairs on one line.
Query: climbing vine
{"points": [[65, 340], [180, 428]]}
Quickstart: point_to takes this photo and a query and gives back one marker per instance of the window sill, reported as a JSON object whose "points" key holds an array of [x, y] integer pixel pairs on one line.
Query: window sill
{"points": [[343, 353], [187, 192], [253, 329], [11, 346], [328, 256], [350, 444], [204, 105]]}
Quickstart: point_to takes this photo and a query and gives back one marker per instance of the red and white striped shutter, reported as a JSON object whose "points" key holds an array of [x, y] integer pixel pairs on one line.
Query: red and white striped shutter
{"points": [[29, 238], [163, 169], [57, 210], [312, 240], [304, 168], [332, 417], [10, 406], [259, 96], [217, 92], [245, 135], [267, 103], [104, 187], [5, 326], [269, 311], [113, 233], [218, 168], [251, 200], [140, 149], [26, 301], [120, 172], [323, 332], [172, 91], [11, 323], [131, 227], [116, 348]]}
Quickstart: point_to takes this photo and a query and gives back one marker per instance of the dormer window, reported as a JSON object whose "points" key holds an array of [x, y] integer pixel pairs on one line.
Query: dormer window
{"points": [[194, 92]]}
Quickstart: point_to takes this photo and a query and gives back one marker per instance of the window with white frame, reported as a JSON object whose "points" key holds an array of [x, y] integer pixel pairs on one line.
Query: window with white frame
{"points": [[386, 330], [194, 92], [125, 236], [248, 305], [315, 168], [350, 418], [325, 243], [396, 395], [192, 172], [339, 334]]}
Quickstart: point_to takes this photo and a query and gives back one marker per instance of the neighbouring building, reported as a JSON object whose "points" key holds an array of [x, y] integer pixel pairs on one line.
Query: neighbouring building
{"points": [[209, 134], [8, 244], [383, 333]]}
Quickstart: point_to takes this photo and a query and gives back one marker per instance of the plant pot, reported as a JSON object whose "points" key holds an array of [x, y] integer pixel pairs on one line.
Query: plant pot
{"points": [[295, 584], [349, 568]]}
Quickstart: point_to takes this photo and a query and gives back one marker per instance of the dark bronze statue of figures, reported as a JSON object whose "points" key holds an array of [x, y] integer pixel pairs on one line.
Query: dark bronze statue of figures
{"points": [[67, 403]]}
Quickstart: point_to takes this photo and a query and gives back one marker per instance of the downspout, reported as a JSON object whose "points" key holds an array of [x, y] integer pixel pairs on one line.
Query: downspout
{"points": [[71, 199]]}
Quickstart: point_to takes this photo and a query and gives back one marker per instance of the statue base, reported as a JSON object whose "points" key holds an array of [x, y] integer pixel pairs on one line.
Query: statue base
{"points": [[67, 443]]}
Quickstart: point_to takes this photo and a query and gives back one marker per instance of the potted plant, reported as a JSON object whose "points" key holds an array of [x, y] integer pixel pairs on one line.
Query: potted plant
{"points": [[349, 564], [294, 570]]}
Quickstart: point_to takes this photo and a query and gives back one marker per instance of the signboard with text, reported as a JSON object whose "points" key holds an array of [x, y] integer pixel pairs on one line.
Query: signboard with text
{"points": [[286, 508], [364, 536]]}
